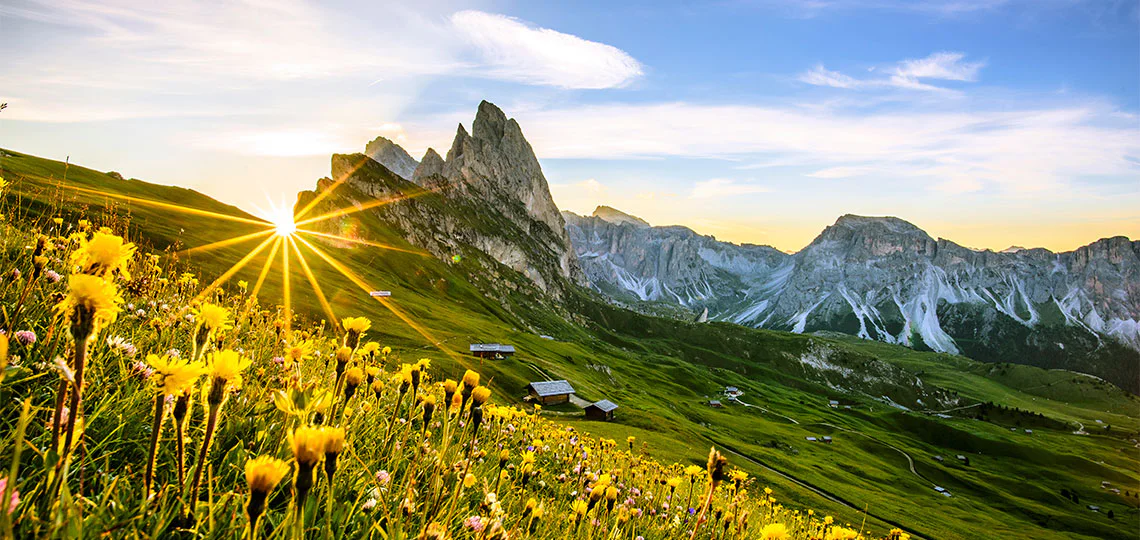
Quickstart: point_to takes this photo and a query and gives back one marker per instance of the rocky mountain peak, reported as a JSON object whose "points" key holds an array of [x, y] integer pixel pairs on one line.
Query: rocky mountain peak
{"points": [[431, 165], [617, 217], [391, 155]]}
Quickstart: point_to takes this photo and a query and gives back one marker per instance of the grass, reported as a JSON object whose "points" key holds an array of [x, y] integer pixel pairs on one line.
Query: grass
{"points": [[661, 372]]}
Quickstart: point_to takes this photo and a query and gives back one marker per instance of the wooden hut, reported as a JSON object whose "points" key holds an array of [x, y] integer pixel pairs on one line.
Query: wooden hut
{"points": [[550, 392], [601, 410]]}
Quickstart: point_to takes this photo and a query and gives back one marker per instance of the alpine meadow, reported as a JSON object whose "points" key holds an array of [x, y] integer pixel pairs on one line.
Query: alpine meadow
{"points": [[293, 328]]}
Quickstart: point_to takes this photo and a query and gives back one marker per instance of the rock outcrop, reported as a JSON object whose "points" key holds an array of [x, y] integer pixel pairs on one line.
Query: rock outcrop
{"points": [[392, 156]]}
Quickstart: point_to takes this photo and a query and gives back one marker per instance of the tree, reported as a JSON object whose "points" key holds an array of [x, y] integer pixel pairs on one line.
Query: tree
{"points": [[1065, 494], [1111, 514]]}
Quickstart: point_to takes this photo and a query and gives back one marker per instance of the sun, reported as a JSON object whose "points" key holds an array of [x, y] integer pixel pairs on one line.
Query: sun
{"points": [[283, 225]]}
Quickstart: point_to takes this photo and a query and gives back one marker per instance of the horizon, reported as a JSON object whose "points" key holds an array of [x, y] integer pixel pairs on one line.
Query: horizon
{"points": [[993, 123]]}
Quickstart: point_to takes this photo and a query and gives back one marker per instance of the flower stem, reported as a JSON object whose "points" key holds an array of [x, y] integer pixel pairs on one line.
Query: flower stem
{"points": [[211, 424], [156, 431]]}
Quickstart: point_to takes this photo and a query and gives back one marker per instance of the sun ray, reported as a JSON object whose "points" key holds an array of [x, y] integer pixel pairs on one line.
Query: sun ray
{"points": [[224, 243], [233, 270], [287, 294], [313, 281], [261, 276], [268, 265], [364, 242], [174, 207], [383, 301]]}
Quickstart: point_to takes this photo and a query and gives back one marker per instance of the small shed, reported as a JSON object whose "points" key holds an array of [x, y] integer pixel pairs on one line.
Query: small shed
{"points": [[601, 410], [833, 404], [938, 459], [810, 439], [491, 350], [715, 403], [826, 439], [732, 391], [550, 392]]}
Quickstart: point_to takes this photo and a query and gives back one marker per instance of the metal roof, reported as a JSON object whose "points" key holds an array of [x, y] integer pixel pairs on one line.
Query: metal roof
{"points": [[605, 405], [492, 347], [551, 388]]}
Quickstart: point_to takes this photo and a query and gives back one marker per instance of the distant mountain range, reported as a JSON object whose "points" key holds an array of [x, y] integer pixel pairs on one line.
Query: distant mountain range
{"points": [[879, 278]]}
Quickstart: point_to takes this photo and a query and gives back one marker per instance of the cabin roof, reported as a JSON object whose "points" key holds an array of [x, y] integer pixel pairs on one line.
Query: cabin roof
{"points": [[551, 388], [492, 347], [604, 404]]}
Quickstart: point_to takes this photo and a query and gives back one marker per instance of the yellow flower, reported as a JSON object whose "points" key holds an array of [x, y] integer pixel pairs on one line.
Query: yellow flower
{"points": [[356, 324], [386, 351], [372, 371], [674, 482], [738, 475], [470, 379], [299, 351], [243, 285], [103, 254], [424, 364], [578, 507], [332, 439], [354, 376], [842, 533], [264, 473], [480, 395], [469, 481], [343, 355], [308, 444], [774, 531], [213, 317], [228, 365], [370, 348], [174, 376], [694, 470], [97, 296]]}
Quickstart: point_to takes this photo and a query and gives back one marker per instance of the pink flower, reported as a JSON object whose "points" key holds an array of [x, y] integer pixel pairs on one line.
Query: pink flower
{"points": [[383, 477], [25, 337], [13, 497], [474, 523]]}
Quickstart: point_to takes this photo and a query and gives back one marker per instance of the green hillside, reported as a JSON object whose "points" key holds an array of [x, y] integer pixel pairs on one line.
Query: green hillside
{"points": [[897, 408]]}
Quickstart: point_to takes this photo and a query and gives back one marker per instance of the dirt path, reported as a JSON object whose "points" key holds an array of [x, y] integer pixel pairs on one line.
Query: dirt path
{"points": [[909, 460], [789, 418]]}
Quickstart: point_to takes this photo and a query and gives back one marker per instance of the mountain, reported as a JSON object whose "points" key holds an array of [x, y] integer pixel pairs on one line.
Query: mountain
{"points": [[498, 202], [392, 156], [883, 278]]}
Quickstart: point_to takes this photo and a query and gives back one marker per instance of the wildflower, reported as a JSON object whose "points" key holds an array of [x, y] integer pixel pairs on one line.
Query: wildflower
{"points": [[352, 379], [716, 466], [480, 395], [52, 276], [578, 508], [91, 303], [355, 326], [225, 373], [774, 531], [299, 352], [370, 348], [429, 408], [26, 338], [103, 255], [262, 474], [211, 318], [175, 376], [468, 481], [382, 477], [475, 523], [333, 443], [377, 387], [308, 444], [12, 496], [629, 440]]}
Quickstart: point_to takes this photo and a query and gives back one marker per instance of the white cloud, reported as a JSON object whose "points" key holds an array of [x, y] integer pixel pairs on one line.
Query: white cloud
{"points": [[842, 172], [716, 188], [907, 74], [821, 76], [514, 51]]}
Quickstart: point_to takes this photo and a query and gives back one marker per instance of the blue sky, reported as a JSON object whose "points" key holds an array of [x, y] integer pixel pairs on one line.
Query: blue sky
{"points": [[988, 122]]}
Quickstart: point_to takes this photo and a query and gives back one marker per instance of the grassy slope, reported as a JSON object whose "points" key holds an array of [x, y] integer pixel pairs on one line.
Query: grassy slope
{"points": [[660, 371]]}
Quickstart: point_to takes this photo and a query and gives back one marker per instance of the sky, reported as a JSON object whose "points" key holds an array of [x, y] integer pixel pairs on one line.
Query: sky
{"points": [[988, 122]]}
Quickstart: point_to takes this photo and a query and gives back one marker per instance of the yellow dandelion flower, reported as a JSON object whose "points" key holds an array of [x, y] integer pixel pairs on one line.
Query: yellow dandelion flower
{"points": [[578, 507], [227, 366], [212, 317], [480, 395], [469, 481], [356, 324], [174, 376], [370, 348], [354, 376], [774, 531], [470, 379], [264, 473], [90, 297], [104, 254], [308, 444]]}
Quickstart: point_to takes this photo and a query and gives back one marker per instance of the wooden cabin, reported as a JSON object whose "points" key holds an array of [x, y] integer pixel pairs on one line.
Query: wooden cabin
{"points": [[550, 392], [601, 410], [492, 350]]}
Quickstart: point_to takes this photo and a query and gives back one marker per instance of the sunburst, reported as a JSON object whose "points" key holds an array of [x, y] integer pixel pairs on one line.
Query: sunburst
{"points": [[282, 232]]}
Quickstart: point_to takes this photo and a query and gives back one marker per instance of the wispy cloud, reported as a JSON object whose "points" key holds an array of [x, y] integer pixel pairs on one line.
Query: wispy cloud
{"points": [[908, 74], [512, 50]]}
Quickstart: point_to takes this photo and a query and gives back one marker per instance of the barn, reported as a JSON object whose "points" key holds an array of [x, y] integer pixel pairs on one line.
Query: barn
{"points": [[491, 350], [550, 392], [601, 410]]}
